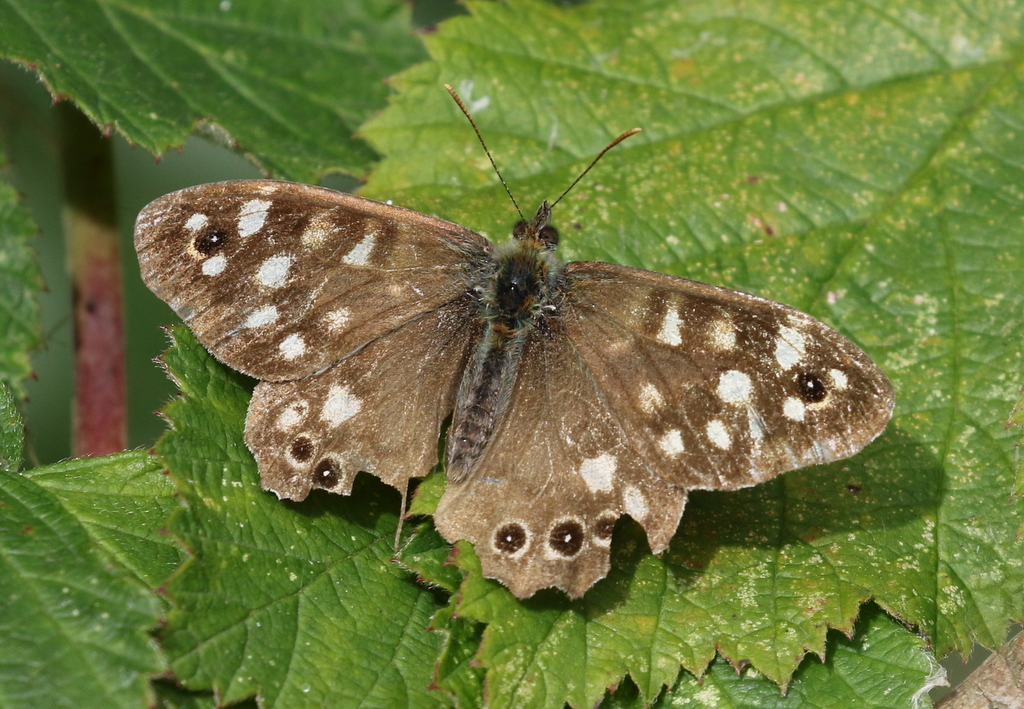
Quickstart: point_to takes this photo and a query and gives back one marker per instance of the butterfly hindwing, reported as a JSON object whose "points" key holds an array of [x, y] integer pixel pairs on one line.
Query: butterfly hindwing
{"points": [[279, 279], [718, 389], [559, 471], [378, 410]]}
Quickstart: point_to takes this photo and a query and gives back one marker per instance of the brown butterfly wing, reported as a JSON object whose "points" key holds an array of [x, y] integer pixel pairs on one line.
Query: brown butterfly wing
{"points": [[279, 280], [378, 410], [560, 470], [718, 389]]}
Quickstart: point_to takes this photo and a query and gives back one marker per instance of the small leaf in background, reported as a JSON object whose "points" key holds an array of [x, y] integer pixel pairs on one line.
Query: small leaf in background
{"points": [[286, 82], [298, 602], [73, 629], [456, 671], [20, 283], [426, 554]]}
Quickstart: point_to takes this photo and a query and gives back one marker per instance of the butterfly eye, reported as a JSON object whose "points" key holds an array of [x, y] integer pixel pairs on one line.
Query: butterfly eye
{"points": [[566, 537], [519, 230], [326, 474], [510, 538], [549, 235], [210, 242], [302, 449], [811, 387]]}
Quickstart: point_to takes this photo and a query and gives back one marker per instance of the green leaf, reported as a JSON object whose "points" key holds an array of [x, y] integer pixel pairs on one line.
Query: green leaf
{"points": [[851, 675], [123, 501], [426, 553], [299, 603], [72, 627], [12, 432], [456, 672], [871, 181], [286, 82], [20, 283]]}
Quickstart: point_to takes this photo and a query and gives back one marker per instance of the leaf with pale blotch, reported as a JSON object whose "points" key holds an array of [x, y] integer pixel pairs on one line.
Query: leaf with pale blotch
{"points": [[279, 599], [849, 676], [868, 182], [285, 82], [1017, 419]]}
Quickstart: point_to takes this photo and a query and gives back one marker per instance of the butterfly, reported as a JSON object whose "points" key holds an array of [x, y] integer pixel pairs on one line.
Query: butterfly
{"points": [[577, 392]]}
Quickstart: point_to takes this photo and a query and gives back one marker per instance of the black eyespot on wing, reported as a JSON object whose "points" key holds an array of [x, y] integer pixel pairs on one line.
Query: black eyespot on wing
{"points": [[510, 538], [604, 527], [811, 387], [210, 241], [326, 474], [302, 449], [566, 537]]}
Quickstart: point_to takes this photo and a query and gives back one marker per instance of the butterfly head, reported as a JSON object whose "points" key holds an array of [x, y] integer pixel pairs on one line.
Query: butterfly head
{"points": [[538, 229]]}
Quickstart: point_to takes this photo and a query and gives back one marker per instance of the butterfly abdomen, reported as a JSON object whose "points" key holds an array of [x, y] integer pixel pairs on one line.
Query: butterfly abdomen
{"points": [[522, 289]]}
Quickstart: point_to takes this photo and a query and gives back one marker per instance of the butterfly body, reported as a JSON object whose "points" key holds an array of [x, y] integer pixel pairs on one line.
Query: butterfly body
{"points": [[579, 392], [522, 287]]}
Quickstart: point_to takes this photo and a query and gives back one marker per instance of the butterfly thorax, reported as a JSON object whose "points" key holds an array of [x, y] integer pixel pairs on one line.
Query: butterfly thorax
{"points": [[522, 289]]}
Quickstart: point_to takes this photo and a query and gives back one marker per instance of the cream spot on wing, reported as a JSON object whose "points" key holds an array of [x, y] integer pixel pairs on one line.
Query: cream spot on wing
{"points": [[794, 409], [597, 472], [340, 406], [670, 333], [293, 414], [650, 398], [274, 271], [292, 346], [735, 387], [215, 265], [719, 434], [722, 334], [790, 347], [318, 231], [261, 317], [635, 504], [252, 216], [671, 443], [839, 380], [196, 222], [360, 253], [337, 319]]}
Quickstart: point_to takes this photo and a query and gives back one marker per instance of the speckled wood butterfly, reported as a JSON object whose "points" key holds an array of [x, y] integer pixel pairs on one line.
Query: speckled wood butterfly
{"points": [[578, 391]]}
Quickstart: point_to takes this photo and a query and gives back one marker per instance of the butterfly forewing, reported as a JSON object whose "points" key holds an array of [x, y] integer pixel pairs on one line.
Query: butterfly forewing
{"points": [[279, 280], [560, 470], [718, 389], [378, 410]]}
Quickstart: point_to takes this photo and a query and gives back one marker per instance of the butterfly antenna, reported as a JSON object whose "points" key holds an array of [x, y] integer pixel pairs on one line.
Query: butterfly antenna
{"points": [[481, 139], [631, 131]]}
